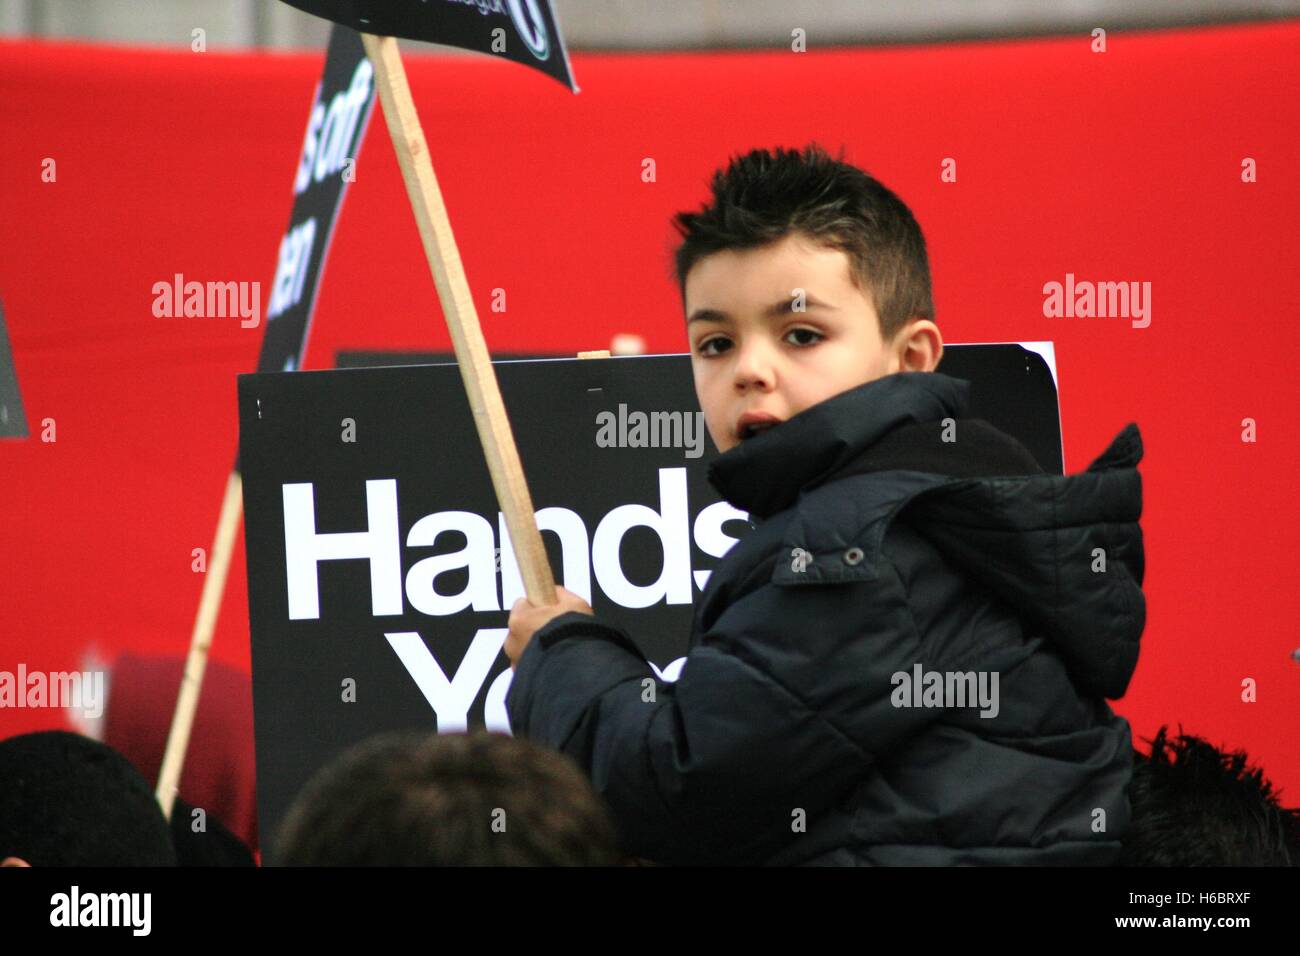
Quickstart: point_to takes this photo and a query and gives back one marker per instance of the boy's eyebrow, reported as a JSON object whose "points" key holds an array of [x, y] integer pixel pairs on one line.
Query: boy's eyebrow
{"points": [[784, 306]]}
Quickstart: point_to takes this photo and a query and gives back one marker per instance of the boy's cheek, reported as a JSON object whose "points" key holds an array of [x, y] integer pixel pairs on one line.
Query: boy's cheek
{"points": [[710, 417], [721, 437]]}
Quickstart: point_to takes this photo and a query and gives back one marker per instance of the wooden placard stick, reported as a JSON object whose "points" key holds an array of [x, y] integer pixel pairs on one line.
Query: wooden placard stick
{"points": [[481, 388], [205, 624], [462, 320]]}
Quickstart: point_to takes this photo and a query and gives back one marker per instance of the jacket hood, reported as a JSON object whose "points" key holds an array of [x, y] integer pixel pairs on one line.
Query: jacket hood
{"points": [[1064, 551]]}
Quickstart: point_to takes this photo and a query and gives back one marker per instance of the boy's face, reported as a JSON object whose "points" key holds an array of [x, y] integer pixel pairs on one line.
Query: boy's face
{"points": [[754, 352]]}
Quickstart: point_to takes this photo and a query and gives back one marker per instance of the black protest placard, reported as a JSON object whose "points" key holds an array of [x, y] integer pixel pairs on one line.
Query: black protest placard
{"points": [[336, 125], [524, 31], [408, 632], [380, 571], [13, 422]]}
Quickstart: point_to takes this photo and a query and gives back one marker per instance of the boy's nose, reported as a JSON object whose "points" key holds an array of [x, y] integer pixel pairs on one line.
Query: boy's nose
{"points": [[754, 369]]}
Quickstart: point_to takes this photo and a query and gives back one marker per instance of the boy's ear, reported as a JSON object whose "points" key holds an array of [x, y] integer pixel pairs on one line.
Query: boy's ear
{"points": [[918, 347]]}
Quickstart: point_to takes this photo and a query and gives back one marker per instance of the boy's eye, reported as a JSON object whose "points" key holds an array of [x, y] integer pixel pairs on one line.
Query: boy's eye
{"points": [[816, 336], [704, 347]]}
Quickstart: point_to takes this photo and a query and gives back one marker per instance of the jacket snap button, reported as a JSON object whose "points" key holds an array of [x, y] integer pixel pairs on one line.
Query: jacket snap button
{"points": [[853, 556]]}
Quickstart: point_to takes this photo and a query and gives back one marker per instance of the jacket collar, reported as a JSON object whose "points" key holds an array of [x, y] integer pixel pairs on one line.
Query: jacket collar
{"points": [[765, 474]]}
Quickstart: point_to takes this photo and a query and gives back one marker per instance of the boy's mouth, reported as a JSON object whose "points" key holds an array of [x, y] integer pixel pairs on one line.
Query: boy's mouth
{"points": [[752, 423]]}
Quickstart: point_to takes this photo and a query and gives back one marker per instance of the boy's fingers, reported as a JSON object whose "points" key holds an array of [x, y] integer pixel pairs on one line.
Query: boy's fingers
{"points": [[574, 601]]}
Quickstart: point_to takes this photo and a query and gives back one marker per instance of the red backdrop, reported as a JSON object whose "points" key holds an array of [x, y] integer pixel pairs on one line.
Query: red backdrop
{"points": [[1122, 165]]}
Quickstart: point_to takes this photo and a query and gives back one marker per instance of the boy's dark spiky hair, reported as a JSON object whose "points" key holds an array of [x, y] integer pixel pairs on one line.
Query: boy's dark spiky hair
{"points": [[763, 196], [1195, 805]]}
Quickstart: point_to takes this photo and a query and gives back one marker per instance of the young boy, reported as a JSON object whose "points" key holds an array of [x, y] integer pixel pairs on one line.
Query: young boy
{"points": [[907, 660]]}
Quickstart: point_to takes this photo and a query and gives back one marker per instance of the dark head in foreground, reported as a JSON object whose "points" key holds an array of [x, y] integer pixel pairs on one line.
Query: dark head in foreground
{"points": [[448, 800], [1195, 805], [67, 800]]}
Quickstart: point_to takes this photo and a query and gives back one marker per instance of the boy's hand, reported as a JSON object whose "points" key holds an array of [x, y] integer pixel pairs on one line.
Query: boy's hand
{"points": [[526, 618]]}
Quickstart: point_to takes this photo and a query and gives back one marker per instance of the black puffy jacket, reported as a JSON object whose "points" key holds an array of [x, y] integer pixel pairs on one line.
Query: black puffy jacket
{"points": [[888, 545]]}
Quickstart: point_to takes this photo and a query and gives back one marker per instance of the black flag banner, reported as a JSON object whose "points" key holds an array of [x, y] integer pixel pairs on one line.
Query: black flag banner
{"points": [[521, 30], [336, 126]]}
